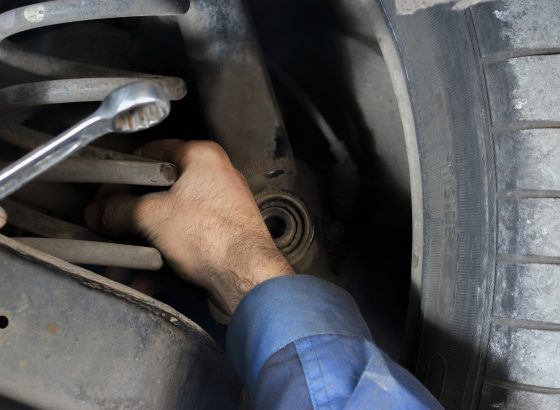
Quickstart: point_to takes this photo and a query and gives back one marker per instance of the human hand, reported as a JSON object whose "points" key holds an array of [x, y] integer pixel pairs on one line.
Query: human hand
{"points": [[3, 217], [207, 226]]}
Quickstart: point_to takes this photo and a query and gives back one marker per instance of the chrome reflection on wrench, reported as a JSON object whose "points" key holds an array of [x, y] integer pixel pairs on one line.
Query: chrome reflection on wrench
{"points": [[132, 107]]}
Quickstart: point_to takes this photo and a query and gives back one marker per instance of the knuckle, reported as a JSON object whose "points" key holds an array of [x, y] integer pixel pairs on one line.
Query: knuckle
{"points": [[143, 210], [241, 176], [212, 147], [123, 213], [3, 217], [211, 151], [200, 152], [109, 215]]}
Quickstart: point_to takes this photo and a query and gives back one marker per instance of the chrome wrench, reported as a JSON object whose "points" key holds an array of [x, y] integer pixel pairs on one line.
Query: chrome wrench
{"points": [[132, 107]]}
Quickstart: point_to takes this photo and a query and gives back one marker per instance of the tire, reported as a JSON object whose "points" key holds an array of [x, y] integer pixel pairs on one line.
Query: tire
{"points": [[483, 88]]}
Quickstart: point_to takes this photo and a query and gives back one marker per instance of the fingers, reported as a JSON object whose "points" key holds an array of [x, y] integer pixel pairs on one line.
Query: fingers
{"points": [[3, 217], [185, 153], [162, 150], [118, 215], [121, 275], [147, 283]]}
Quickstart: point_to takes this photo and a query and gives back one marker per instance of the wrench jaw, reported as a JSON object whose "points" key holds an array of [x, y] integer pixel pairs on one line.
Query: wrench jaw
{"points": [[140, 118], [135, 107]]}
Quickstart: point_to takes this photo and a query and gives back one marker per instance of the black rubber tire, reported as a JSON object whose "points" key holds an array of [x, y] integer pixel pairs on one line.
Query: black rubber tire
{"points": [[483, 85]]}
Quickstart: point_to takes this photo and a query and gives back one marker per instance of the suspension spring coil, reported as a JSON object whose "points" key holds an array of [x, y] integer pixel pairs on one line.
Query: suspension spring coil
{"points": [[64, 81]]}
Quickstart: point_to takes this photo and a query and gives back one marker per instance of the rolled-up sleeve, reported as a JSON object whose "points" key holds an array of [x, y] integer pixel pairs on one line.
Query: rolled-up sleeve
{"points": [[298, 341]]}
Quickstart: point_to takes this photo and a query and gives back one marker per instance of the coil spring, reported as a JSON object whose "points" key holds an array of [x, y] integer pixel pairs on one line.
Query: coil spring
{"points": [[64, 81]]}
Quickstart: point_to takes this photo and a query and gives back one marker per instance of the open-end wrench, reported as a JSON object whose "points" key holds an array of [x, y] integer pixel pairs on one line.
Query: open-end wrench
{"points": [[132, 107]]}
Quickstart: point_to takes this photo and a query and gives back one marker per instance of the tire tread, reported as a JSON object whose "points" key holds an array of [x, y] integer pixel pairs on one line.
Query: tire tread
{"points": [[519, 43]]}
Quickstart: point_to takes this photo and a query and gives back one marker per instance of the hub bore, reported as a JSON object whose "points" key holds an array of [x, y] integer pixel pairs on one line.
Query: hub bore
{"points": [[288, 221]]}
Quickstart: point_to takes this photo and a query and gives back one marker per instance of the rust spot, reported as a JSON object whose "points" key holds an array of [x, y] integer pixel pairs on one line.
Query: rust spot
{"points": [[52, 329]]}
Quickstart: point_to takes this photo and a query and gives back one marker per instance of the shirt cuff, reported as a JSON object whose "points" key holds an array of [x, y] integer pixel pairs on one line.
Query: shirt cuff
{"points": [[282, 310]]}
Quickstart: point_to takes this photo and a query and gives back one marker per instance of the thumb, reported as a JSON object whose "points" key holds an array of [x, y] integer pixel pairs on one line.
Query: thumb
{"points": [[117, 215]]}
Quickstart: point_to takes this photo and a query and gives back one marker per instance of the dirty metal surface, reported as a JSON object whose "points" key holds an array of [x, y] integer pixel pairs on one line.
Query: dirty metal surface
{"points": [[98, 253], [30, 220], [412, 6], [71, 339], [146, 173], [236, 93], [27, 138], [66, 11]]}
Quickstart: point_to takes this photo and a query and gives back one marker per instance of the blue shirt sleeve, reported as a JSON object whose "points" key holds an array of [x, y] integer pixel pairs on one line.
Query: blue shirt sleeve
{"points": [[300, 342]]}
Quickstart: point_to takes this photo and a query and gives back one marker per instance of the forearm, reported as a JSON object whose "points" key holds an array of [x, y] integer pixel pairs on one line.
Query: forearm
{"points": [[302, 340]]}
